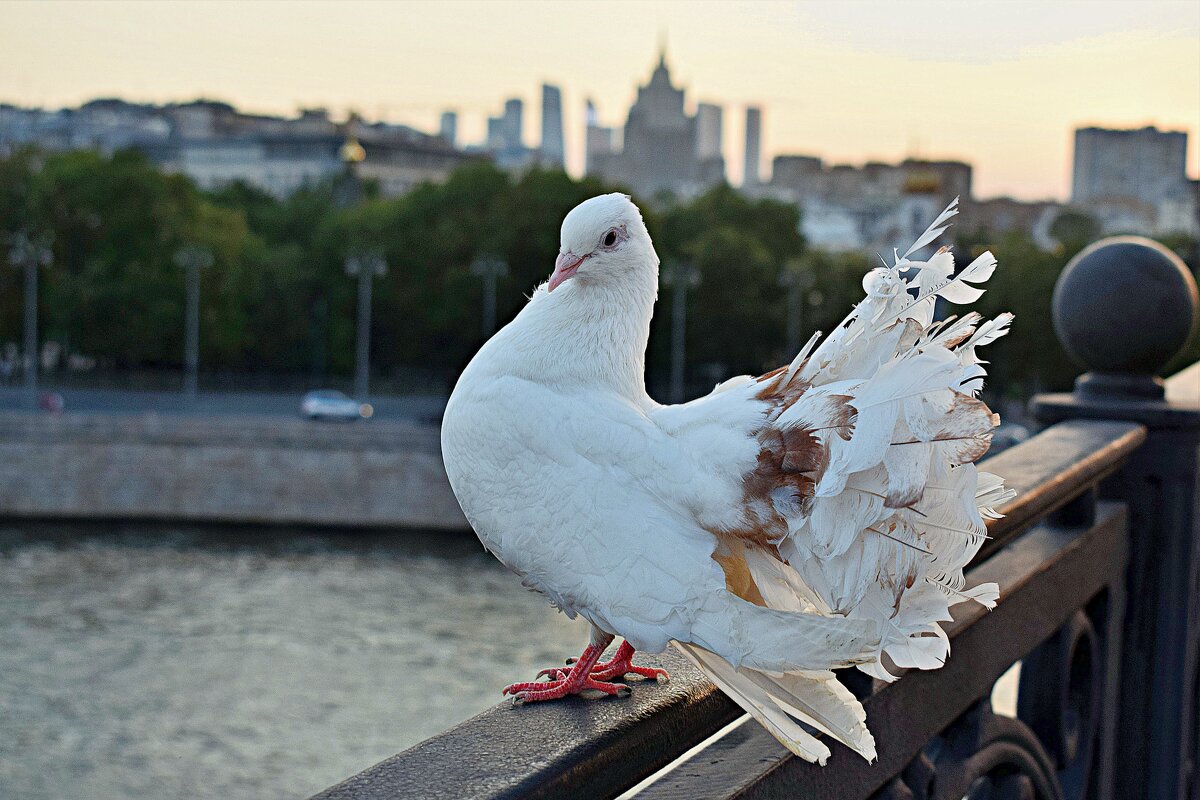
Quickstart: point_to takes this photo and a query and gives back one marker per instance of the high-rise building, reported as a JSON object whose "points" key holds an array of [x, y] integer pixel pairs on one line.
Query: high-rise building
{"points": [[1144, 164], [504, 133], [505, 137], [753, 146], [514, 116], [1135, 180], [553, 153], [513, 132], [708, 131], [449, 127], [598, 141], [871, 206]]}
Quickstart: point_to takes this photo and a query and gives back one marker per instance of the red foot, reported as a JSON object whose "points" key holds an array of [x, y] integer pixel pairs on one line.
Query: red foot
{"points": [[556, 690], [576, 680], [620, 665]]}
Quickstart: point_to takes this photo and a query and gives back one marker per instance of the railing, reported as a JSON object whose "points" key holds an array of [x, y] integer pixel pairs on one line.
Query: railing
{"points": [[1098, 562]]}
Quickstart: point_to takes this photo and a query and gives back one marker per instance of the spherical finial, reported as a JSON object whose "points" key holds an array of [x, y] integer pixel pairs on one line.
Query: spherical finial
{"points": [[1123, 308]]}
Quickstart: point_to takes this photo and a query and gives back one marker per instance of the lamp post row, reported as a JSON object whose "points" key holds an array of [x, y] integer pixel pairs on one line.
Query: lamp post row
{"points": [[682, 276], [29, 253]]}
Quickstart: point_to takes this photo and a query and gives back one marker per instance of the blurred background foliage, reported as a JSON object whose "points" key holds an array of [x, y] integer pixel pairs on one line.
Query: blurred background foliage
{"points": [[277, 301]]}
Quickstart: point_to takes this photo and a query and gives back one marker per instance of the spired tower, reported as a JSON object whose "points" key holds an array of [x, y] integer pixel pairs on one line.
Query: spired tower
{"points": [[660, 149]]}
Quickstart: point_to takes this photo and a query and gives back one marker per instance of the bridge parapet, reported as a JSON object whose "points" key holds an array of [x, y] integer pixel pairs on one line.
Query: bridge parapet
{"points": [[1098, 562], [1123, 308]]}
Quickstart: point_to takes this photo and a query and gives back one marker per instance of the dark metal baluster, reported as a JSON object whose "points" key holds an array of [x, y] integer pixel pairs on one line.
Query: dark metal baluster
{"points": [[1123, 308], [1061, 689], [982, 756]]}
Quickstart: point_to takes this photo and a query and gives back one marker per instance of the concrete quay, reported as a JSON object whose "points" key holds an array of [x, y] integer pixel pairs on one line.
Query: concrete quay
{"points": [[224, 469]]}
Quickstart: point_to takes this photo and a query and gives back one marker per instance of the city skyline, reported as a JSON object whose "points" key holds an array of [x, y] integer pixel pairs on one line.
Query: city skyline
{"points": [[988, 99]]}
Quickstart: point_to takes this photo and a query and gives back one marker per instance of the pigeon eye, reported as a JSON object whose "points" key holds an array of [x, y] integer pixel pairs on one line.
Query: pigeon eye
{"points": [[609, 239]]}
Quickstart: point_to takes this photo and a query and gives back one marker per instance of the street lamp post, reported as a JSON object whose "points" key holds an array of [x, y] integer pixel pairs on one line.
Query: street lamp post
{"points": [[347, 188], [680, 276], [489, 268], [191, 259], [797, 281], [366, 267], [30, 253]]}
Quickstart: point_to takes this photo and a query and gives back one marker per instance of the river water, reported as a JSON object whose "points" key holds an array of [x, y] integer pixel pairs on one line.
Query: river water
{"points": [[140, 664], [165, 663]]}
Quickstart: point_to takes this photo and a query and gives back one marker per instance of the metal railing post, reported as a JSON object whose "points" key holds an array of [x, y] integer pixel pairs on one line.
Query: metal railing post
{"points": [[1123, 308]]}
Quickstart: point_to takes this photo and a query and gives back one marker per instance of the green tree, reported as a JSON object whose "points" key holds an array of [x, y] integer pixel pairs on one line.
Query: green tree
{"points": [[1029, 359], [277, 299], [1074, 230], [113, 290], [17, 175], [736, 322]]}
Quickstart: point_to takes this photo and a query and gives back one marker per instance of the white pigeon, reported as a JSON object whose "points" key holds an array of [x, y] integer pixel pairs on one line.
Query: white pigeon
{"points": [[812, 518]]}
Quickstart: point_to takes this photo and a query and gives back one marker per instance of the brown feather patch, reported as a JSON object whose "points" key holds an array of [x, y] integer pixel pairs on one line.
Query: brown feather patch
{"points": [[738, 579], [790, 460]]}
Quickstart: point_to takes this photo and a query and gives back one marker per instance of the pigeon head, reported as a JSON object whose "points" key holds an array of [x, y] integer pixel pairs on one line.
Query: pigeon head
{"points": [[603, 241]]}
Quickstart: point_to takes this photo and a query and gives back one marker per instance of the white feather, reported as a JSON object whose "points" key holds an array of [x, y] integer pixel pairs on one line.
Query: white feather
{"points": [[853, 463], [935, 230]]}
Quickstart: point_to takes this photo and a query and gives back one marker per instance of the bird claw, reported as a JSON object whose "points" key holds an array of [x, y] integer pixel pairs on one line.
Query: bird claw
{"points": [[619, 667], [622, 669], [576, 677], [523, 693], [516, 688]]}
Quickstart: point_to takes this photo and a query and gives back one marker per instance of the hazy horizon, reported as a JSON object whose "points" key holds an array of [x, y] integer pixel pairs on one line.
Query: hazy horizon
{"points": [[1000, 85]]}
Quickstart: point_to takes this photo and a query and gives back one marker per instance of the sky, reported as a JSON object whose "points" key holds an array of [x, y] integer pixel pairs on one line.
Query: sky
{"points": [[999, 84]]}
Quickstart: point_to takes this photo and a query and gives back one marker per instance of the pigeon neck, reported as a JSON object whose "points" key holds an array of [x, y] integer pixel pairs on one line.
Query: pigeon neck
{"points": [[595, 335]]}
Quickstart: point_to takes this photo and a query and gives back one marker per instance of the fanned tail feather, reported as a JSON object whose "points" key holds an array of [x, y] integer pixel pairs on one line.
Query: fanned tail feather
{"points": [[897, 509], [784, 703], [864, 505], [781, 639]]}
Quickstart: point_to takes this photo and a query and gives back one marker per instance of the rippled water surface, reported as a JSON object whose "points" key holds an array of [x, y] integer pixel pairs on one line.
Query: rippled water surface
{"points": [[172, 664]]}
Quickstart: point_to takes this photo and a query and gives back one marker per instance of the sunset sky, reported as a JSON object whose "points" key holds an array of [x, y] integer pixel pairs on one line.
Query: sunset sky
{"points": [[999, 84]]}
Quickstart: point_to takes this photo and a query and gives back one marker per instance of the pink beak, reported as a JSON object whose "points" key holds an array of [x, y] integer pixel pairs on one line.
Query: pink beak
{"points": [[564, 267]]}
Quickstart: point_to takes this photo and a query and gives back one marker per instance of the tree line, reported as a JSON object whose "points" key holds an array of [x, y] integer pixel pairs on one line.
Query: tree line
{"points": [[277, 301]]}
